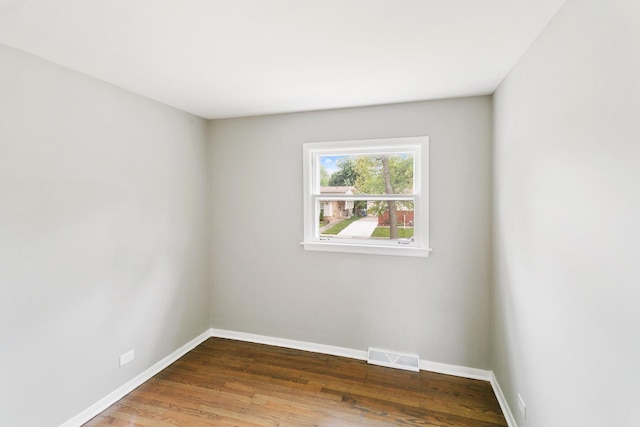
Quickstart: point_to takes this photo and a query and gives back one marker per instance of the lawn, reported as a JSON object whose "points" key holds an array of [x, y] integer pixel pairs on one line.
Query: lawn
{"points": [[403, 233], [342, 225]]}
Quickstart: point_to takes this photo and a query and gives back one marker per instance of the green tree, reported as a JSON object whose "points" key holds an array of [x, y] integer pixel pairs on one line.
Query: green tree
{"points": [[385, 174], [346, 174], [324, 176], [371, 177], [391, 205]]}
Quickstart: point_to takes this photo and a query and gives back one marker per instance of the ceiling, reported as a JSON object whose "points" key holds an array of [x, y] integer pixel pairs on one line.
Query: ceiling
{"points": [[230, 58]]}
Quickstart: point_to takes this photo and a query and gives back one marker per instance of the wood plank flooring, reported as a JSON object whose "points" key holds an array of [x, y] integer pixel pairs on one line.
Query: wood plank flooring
{"points": [[231, 383]]}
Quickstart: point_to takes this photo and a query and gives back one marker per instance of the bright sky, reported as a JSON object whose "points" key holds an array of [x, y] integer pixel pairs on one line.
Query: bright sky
{"points": [[330, 163]]}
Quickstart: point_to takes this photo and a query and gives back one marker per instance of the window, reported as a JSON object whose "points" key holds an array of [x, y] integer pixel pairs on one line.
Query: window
{"points": [[368, 196]]}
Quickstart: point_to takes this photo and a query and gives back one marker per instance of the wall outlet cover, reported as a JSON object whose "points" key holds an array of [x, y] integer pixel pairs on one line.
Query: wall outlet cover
{"points": [[127, 357], [522, 406]]}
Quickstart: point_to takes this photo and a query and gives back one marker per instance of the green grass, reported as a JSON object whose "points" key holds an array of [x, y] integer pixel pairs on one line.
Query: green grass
{"points": [[403, 233], [341, 225]]}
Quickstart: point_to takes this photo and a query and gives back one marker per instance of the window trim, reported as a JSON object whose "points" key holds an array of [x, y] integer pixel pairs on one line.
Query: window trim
{"points": [[311, 175]]}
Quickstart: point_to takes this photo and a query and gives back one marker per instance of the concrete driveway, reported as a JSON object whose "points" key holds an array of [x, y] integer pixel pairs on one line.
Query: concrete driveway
{"points": [[360, 228]]}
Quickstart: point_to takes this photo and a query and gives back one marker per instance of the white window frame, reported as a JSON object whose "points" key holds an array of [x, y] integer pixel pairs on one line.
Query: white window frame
{"points": [[419, 146]]}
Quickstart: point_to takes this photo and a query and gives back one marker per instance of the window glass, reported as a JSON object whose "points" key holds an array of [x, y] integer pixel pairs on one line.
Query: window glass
{"points": [[384, 173], [367, 194]]}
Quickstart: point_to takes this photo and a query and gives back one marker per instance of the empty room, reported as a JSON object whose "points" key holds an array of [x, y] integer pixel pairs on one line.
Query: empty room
{"points": [[331, 213]]}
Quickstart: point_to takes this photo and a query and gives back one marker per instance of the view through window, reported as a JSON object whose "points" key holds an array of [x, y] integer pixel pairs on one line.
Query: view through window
{"points": [[366, 194], [366, 174]]}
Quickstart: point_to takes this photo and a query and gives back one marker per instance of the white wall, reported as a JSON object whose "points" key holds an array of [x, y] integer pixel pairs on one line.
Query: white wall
{"points": [[103, 248], [567, 221], [263, 282]]}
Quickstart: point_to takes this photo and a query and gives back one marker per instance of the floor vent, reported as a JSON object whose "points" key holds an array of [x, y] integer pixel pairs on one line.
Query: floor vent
{"points": [[409, 362]]}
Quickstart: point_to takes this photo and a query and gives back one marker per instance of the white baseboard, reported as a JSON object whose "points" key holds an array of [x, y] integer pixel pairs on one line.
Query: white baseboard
{"points": [[293, 344], [506, 410], [455, 370], [129, 386], [425, 365]]}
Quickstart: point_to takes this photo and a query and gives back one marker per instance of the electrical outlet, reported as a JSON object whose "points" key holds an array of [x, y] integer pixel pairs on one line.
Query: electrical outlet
{"points": [[522, 407], [126, 358]]}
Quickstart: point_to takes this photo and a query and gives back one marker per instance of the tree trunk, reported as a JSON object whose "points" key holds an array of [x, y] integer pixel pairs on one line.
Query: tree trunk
{"points": [[393, 215]]}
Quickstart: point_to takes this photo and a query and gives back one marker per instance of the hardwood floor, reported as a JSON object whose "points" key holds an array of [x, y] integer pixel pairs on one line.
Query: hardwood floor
{"points": [[231, 383]]}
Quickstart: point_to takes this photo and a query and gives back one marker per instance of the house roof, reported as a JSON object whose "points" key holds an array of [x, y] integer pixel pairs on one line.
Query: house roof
{"points": [[337, 190]]}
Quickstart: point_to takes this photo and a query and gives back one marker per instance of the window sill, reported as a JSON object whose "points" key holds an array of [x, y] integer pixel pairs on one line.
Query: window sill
{"points": [[366, 249]]}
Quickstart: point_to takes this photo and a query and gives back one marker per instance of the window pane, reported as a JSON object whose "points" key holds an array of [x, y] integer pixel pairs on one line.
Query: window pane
{"points": [[367, 219], [384, 173]]}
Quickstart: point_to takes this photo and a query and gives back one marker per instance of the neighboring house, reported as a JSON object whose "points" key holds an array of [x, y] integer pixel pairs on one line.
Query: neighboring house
{"points": [[336, 209], [405, 213], [405, 217]]}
